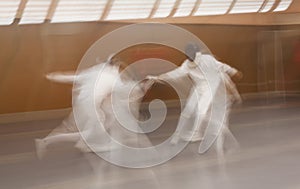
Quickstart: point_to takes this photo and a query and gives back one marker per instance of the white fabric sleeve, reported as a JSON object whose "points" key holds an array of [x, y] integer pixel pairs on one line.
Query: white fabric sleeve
{"points": [[226, 68], [176, 73], [61, 77]]}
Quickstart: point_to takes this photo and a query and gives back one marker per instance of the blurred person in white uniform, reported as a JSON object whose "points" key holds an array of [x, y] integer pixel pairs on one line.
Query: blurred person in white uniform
{"points": [[83, 103], [196, 114]]}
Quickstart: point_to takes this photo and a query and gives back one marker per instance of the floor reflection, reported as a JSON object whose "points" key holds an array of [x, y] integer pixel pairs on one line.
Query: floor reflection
{"points": [[268, 157]]}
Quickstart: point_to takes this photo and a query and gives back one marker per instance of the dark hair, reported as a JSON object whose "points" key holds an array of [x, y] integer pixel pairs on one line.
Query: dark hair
{"points": [[111, 59], [191, 49]]}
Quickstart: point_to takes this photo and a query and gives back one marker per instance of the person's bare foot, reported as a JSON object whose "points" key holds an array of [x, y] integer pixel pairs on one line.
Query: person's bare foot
{"points": [[40, 147], [175, 139]]}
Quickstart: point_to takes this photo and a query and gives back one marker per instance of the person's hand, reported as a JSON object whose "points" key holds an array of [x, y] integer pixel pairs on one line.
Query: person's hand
{"points": [[152, 77], [237, 77], [146, 84], [61, 77], [54, 76], [156, 79]]}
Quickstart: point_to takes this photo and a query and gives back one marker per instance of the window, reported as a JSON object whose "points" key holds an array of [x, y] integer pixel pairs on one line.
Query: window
{"points": [[268, 5], [8, 11], [185, 8], [78, 10], [35, 11], [283, 5], [130, 9], [164, 8], [213, 7], [246, 6]]}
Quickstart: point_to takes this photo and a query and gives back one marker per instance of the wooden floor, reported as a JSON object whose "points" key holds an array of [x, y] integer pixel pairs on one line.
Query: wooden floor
{"points": [[268, 158]]}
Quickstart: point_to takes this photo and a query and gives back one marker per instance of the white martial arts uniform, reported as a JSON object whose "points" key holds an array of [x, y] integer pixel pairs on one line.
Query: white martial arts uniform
{"points": [[196, 113], [99, 79]]}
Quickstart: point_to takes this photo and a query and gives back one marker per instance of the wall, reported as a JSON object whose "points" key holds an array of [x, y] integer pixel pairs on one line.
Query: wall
{"points": [[29, 52]]}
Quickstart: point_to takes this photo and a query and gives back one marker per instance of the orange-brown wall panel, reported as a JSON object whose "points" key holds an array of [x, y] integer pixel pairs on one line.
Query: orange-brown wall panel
{"points": [[28, 52]]}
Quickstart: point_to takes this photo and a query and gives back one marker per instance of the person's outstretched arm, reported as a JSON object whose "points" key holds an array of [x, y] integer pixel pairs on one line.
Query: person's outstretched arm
{"points": [[235, 74], [61, 77], [171, 75]]}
